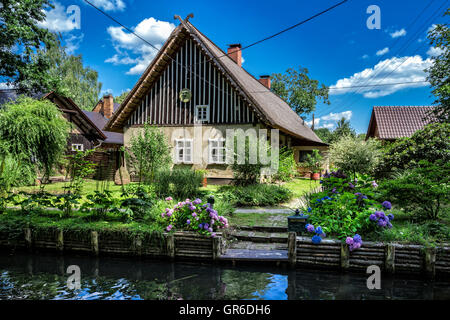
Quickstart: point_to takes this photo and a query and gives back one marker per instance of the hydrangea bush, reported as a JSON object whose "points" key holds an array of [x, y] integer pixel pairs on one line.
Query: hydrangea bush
{"points": [[319, 234], [193, 216], [348, 206]]}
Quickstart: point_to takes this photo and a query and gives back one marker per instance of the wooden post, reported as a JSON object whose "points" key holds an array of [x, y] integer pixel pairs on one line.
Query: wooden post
{"points": [[216, 247], [292, 249], [345, 255], [28, 238], [138, 245], [389, 256], [60, 241], [430, 261], [171, 246], [94, 242]]}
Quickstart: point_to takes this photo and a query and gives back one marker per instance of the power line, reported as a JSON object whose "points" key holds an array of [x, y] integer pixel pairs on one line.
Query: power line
{"points": [[406, 45], [284, 30]]}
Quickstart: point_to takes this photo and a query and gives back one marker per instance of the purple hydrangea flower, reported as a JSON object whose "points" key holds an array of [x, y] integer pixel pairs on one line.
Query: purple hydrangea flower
{"points": [[351, 185], [310, 227], [197, 201], [374, 184], [188, 221], [373, 217], [349, 240], [169, 227], [382, 223], [390, 216], [387, 205], [357, 238]]}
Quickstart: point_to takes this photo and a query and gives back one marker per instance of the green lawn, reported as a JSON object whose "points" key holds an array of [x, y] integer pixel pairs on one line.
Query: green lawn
{"points": [[301, 186]]}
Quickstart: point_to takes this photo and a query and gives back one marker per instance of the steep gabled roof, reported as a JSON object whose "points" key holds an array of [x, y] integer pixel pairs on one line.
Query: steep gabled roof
{"points": [[269, 108], [100, 121], [395, 122]]}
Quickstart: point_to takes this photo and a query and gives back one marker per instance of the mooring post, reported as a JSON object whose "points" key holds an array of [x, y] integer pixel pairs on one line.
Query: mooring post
{"points": [[171, 246], [138, 245], [292, 249], [216, 244], [345, 256], [430, 262], [28, 238], [60, 240], [390, 258], [94, 242]]}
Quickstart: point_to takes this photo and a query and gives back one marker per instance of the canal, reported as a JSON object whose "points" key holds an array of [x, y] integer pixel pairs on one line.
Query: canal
{"points": [[43, 276]]}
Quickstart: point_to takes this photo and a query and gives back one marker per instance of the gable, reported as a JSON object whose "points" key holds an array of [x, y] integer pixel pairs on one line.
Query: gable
{"points": [[194, 70]]}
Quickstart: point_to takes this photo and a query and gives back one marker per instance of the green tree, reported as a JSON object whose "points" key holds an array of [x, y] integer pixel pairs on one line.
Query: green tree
{"points": [[149, 152], [343, 129], [298, 90], [121, 97], [36, 129], [438, 73], [74, 80], [324, 134], [20, 37]]}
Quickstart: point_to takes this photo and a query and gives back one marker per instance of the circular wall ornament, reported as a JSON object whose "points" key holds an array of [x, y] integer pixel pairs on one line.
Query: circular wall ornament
{"points": [[185, 95]]}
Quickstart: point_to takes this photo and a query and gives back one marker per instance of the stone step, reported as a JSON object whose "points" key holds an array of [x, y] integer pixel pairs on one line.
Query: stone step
{"points": [[263, 228], [260, 237], [257, 246], [255, 255]]}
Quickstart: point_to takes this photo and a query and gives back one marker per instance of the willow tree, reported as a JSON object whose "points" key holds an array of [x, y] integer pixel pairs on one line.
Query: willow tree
{"points": [[36, 132]]}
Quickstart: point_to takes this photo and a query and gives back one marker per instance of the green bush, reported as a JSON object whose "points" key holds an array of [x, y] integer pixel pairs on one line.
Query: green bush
{"points": [[354, 155], [287, 167], [424, 190], [256, 195], [432, 143], [178, 183]]}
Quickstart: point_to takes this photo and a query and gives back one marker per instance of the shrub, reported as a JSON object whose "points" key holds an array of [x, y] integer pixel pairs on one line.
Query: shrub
{"points": [[425, 189], [149, 152], [354, 155], [193, 216], [180, 183], [256, 195], [313, 161], [101, 203], [432, 143], [139, 202], [287, 167]]}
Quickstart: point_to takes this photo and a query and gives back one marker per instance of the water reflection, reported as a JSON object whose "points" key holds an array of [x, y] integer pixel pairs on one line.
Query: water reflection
{"points": [[24, 276]]}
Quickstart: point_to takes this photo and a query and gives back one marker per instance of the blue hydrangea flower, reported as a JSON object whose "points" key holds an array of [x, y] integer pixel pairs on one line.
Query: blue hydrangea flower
{"points": [[316, 239], [373, 217], [390, 216], [319, 230], [357, 238], [309, 209]]}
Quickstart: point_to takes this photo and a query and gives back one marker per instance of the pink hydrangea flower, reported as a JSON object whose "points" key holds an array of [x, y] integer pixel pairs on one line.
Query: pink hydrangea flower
{"points": [[169, 199], [169, 227]]}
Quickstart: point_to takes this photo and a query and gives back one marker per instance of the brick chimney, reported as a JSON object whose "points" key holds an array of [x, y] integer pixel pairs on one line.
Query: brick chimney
{"points": [[265, 80], [235, 53], [108, 106]]}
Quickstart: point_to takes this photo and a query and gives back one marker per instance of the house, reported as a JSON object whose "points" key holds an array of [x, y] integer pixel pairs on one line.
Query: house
{"points": [[389, 123], [86, 132], [190, 83]]}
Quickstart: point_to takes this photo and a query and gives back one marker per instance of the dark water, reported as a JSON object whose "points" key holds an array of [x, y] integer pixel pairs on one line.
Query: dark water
{"points": [[43, 276]]}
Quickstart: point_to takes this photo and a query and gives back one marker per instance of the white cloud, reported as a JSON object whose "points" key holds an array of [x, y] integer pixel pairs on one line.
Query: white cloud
{"points": [[152, 30], [329, 121], [398, 33], [59, 20], [109, 5], [365, 56], [434, 52], [394, 70], [338, 116], [73, 43], [382, 51]]}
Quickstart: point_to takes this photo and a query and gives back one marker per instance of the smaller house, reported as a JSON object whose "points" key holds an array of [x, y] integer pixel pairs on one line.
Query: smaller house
{"points": [[389, 123], [87, 130]]}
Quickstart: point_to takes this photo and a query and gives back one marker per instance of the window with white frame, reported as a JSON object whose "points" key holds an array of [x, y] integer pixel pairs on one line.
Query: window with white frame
{"points": [[202, 113], [183, 149], [217, 151], [77, 147]]}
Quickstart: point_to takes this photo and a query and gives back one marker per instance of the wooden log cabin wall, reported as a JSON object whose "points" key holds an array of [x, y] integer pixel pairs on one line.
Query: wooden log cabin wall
{"points": [[192, 69]]}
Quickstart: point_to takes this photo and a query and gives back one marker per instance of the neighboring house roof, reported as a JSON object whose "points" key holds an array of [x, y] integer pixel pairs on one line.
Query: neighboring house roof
{"points": [[393, 122], [100, 121], [269, 108]]}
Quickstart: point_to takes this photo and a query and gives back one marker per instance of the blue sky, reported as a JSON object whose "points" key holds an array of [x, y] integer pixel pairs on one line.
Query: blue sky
{"points": [[338, 48]]}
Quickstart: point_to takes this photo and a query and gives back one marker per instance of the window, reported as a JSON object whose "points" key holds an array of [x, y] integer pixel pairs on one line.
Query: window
{"points": [[77, 147], [217, 151], [202, 114], [302, 154], [183, 149]]}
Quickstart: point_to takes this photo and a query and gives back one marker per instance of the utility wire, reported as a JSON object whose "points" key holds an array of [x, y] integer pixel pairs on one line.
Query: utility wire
{"points": [[406, 45]]}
